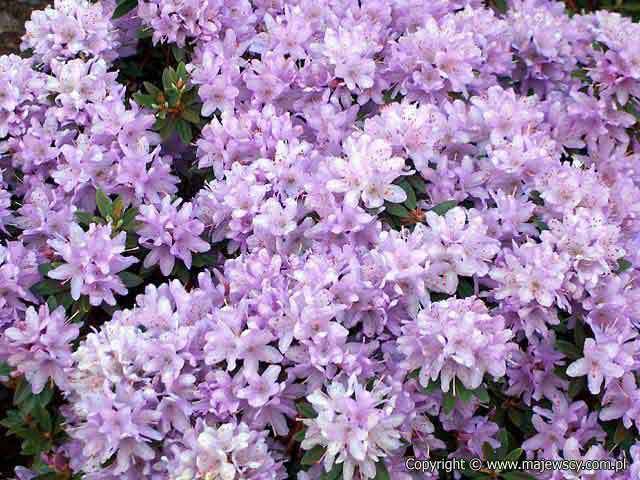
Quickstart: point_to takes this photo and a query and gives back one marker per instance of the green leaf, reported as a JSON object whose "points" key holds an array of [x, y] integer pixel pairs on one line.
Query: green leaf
{"points": [[381, 471], [84, 218], [5, 369], [464, 394], [169, 79], [578, 334], [124, 7], [432, 387], [465, 287], [334, 474], [191, 116], [47, 287], [514, 454], [131, 280], [181, 72], [411, 202], [166, 128], [568, 348], [444, 207], [487, 451], [105, 207], [576, 386], [145, 100], [620, 434], [313, 456], [299, 436], [482, 394], [152, 89], [623, 265], [515, 416], [540, 225], [178, 53], [203, 259], [144, 33], [22, 392], [306, 410], [128, 218], [501, 5], [80, 309], [52, 303], [184, 131], [418, 184], [396, 209], [448, 402], [42, 416]]}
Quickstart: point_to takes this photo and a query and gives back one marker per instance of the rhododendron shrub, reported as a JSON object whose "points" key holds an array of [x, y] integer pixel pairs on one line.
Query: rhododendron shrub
{"points": [[312, 239]]}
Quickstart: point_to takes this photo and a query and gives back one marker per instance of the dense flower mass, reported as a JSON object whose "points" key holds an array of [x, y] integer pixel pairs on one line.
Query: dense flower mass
{"points": [[313, 239]]}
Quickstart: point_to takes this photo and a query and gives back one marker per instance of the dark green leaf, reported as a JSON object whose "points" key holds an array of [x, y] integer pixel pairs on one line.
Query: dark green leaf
{"points": [[576, 386], [514, 454], [381, 471], [448, 402], [568, 348], [203, 259], [84, 218], [396, 209], [432, 387], [124, 7], [411, 202], [501, 5], [306, 410], [41, 415], [169, 79], [145, 100], [578, 334], [47, 287], [22, 393], [464, 394], [152, 89], [299, 436], [131, 280], [184, 131], [482, 394], [487, 451], [166, 128], [515, 416], [417, 182], [623, 265], [144, 33], [334, 474], [178, 53], [105, 207], [465, 287], [128, 219], [621, 434], [191, 116], [181, 72], [313, 456], [5, 369], [540, 225], [444, 207]]}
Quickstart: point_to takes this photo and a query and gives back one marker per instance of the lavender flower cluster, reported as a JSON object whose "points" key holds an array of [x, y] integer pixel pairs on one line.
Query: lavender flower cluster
{"points": [[339, 235]]}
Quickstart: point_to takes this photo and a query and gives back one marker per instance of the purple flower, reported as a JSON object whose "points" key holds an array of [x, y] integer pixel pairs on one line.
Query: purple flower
{"points": [[170, 232], [92, 262], [39, 346], [456, 339]]}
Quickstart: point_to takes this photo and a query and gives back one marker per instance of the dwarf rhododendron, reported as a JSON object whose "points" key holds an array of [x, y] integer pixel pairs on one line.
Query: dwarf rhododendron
{"points": [[315, 239]]}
